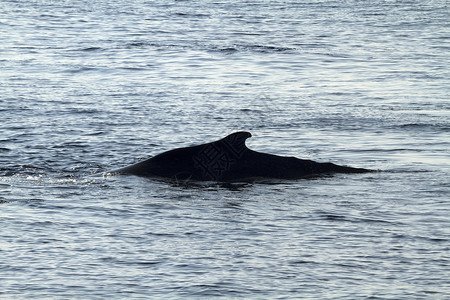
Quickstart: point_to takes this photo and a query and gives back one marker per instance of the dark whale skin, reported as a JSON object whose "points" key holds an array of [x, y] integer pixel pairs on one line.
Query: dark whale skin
{"points": [[229, 160]]}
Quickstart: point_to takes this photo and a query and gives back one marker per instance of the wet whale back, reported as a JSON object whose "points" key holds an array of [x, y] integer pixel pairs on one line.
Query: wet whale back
{"points": [[207, 162], [229, 159], [215, 160]]}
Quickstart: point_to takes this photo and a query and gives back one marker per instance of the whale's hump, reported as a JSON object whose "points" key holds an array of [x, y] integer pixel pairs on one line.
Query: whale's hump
{"points": [[235, 142], [227, 160], [216, 159]]}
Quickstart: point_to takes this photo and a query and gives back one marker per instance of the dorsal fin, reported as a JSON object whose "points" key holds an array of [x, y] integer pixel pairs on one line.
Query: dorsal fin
{"points": [[216, 158], [235, 142]]}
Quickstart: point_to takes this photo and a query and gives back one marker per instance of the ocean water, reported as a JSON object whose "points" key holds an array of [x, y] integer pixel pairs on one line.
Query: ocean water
{"points": [[90, 86]]}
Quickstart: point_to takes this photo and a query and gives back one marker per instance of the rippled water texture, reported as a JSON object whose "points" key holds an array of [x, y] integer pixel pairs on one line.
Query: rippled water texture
{"points": [[90, 86]]}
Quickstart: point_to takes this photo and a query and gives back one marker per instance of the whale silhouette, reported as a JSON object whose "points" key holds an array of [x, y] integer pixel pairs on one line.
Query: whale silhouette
{"points": [[229, 160]]}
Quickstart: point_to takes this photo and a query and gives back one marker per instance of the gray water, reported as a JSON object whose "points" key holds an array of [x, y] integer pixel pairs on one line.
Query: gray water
{"points": [[90, 86]]}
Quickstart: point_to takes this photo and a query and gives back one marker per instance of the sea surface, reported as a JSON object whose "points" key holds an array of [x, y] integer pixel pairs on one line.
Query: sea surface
{"points": [[89, 86]]}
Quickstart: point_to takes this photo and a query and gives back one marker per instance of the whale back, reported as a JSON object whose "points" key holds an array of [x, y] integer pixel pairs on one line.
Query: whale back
{"points": [[215, 159], [229, 159], [207, 162]]}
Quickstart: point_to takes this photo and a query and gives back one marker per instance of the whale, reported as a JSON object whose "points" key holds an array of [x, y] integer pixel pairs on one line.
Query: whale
{"points": [[229, 160]]}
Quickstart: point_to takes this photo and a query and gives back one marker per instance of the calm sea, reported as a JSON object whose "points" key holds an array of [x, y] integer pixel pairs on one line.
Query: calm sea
{"points": [[90, 86]]}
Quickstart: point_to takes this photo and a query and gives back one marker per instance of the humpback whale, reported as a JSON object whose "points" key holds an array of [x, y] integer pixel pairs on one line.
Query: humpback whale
{"points": [[229, 160]]}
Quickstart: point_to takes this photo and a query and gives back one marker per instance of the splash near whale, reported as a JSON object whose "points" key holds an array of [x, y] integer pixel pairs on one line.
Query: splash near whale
{"points": [[229, 160]]}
